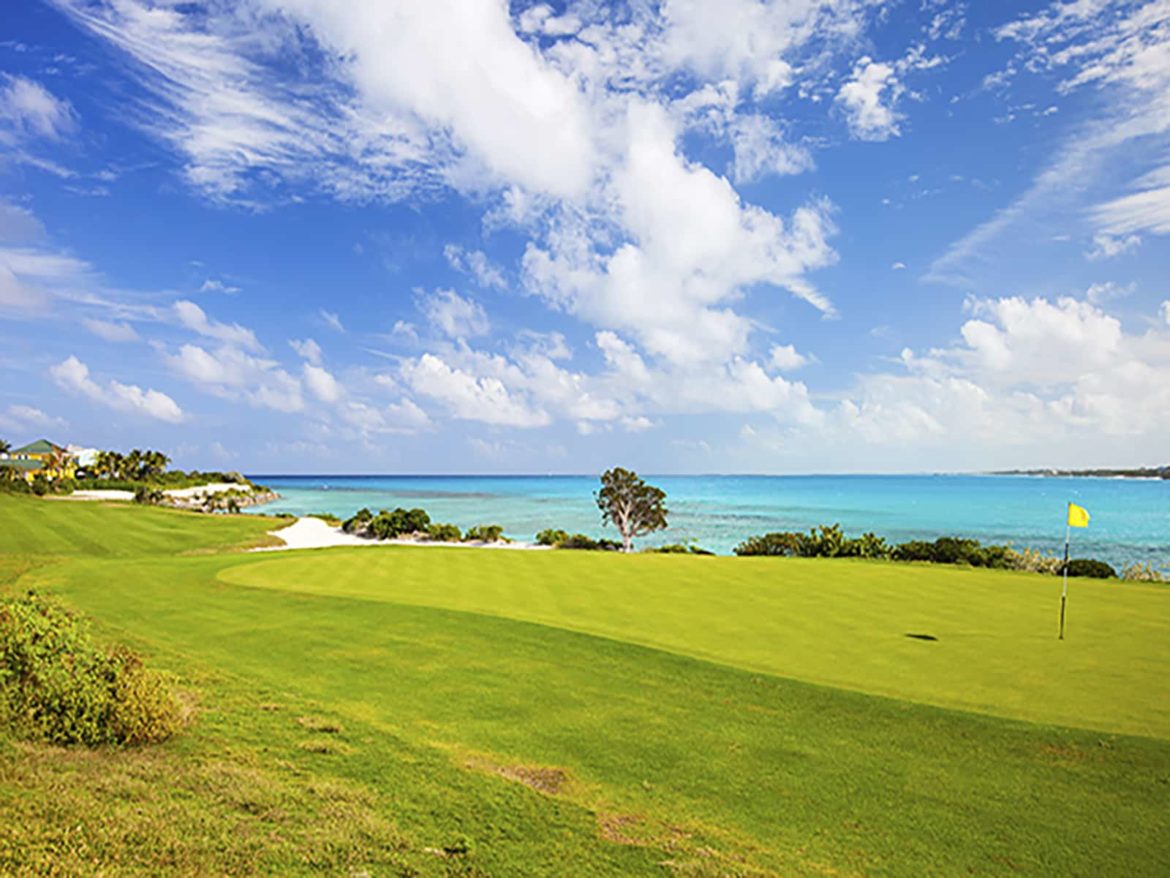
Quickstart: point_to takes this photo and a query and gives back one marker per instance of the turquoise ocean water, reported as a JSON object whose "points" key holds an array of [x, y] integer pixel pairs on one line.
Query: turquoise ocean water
{"points": [[1131, 517]]}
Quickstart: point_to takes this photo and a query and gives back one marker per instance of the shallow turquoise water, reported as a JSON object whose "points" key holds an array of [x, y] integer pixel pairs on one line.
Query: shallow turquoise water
{"points": [[1131, 518]]}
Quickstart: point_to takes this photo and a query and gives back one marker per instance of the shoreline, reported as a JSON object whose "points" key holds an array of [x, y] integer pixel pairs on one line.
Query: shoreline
{"points": [[310, 532]]}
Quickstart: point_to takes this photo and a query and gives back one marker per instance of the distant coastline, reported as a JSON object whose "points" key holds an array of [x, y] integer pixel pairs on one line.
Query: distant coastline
{"points": [[1148, 472]]}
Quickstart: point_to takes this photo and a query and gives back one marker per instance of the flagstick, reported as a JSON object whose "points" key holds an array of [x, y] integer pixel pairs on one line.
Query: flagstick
{"points": [[1064, 588]]}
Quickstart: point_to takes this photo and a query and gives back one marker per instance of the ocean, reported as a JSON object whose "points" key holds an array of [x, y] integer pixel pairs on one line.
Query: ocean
{"points": [[1130, 517]]}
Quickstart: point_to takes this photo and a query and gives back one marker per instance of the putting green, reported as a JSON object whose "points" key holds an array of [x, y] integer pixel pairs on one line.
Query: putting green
{"points": [[835, 622]]}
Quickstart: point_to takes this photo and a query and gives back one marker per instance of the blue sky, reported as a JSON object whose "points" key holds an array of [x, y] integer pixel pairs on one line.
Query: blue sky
{"points": [[468, 236]]}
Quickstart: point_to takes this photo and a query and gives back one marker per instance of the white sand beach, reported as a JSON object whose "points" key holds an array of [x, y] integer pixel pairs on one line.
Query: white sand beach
{"points": [[313, 533], [176, 493]]}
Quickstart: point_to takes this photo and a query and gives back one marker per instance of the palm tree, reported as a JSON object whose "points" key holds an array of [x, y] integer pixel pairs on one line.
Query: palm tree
{"points": [[5, 447]]}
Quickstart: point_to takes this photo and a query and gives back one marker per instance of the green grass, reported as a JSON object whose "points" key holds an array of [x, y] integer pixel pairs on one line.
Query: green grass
{"points": [[378, 710], [838, 622], [32, 526]]}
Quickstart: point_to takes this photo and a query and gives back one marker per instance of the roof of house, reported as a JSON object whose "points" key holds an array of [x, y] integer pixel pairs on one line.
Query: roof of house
{"points": [[41, 446], [26, 465]]}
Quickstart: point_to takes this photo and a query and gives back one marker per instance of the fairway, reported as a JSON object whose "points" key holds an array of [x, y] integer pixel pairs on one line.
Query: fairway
{"points": [[560, 713]]}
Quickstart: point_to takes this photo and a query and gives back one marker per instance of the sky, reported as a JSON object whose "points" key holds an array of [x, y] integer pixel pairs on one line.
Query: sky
{"points": [[471, 236]]}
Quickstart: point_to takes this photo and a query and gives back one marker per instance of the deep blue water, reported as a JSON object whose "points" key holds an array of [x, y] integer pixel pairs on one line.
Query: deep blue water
{"points": [[1131, 517]]}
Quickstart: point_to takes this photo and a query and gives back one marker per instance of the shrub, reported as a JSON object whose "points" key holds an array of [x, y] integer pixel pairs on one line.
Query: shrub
{"points": [[1142, 573], [483, 533], [785, 543], [551, 537], [870, 545], [1033, 561], [1090, 568], [358, 522], [444, 533], [679, 549], [148, 496], [327, 517], [57, 685]]}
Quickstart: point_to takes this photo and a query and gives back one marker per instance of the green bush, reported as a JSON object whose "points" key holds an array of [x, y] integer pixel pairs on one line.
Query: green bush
{"points": [[679, 549], [148, 496], [551, 537], [1090, 568], [58, 686], [781, 543], [358, 522], [483, 533], [387, 525], [444, 533]]}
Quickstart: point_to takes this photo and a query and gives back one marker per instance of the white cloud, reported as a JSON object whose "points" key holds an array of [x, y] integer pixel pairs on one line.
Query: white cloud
{"points": [[1029, 375], [73, 375], [785, 358], [1107, 246], [27, 418], [869, 98], [1165, 312], [28, 109], [453, 315], [307, 349], [195, 319], [692, 247], [332, 320], [1146, 211], [898, 266], [469, 397], [476, 264], [322, 384], [229, 372], [115, 331], [214, 285]]}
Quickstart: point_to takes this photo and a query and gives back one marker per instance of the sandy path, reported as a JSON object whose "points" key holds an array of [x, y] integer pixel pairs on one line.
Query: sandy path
{"points": [[313, 533]]}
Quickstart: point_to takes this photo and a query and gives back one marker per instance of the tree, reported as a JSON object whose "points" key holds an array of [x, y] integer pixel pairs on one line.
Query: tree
{"points": [[5, 447], [630, 505]]}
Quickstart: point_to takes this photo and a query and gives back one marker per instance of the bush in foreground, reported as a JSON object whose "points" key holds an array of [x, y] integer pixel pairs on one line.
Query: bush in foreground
{"points": [[57, 685]]}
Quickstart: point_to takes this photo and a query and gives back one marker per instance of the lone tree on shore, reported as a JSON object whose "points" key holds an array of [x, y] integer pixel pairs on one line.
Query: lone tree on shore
{"points": [[630, 505]]}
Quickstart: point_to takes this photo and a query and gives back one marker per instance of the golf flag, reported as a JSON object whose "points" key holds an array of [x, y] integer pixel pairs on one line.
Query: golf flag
{"points": [[1078, 516]]}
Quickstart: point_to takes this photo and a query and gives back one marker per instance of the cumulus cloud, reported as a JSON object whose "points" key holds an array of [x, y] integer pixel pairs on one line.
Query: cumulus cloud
{"points": [[868, 98], [466, 396], [73, 376], [321, 383], [786, 358], [454, 315], [231, 373]]}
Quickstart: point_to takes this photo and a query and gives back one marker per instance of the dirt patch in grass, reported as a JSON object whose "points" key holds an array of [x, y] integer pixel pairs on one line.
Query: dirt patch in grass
{"points": [[550, 781], [326, 747], [320, 724], [1066, 753]]}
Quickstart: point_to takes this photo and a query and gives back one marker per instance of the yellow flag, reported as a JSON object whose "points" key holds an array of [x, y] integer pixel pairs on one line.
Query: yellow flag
{"points": [[1078, 516]]}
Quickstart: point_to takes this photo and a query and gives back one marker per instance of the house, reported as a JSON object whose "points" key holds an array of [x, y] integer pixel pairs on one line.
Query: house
{"points": [[43, 457]]}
